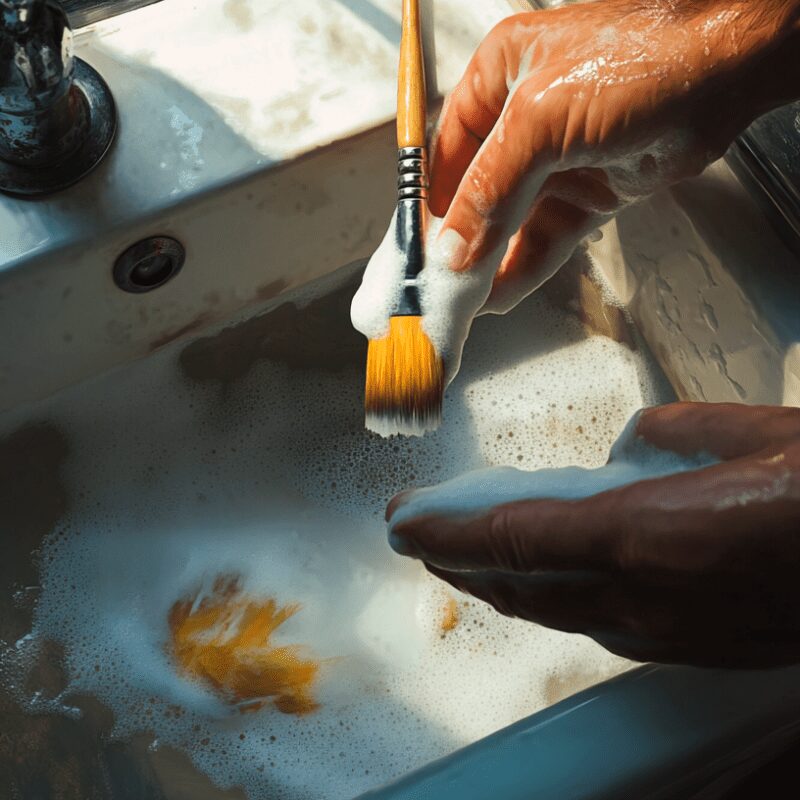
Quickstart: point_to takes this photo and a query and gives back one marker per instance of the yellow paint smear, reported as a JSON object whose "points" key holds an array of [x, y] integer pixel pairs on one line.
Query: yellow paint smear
{"points": [[449, 615], [222, 639]]}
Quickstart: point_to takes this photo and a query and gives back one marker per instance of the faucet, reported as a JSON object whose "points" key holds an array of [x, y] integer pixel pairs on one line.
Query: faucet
{"points": [[57, 114]]}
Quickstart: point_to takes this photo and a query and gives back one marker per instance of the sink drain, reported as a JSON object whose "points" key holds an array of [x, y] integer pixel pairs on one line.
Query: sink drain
{"points": [[149, 264]]}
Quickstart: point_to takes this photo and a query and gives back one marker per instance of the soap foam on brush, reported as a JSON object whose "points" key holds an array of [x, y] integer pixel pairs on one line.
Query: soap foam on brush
{"points": [[449, 299], [271, 478]]}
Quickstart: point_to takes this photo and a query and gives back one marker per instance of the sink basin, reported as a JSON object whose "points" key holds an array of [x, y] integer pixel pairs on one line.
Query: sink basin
{"points": [[240, 451]]}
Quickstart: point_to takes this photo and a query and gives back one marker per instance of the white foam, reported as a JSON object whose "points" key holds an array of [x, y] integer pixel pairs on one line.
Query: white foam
{"points": [[401, 424], [381, 287], [171, 482], [631, 460]]}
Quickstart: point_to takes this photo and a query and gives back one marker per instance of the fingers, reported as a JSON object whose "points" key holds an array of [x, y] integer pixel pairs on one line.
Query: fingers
{"points": [[585, 603], [712, 518], [468, 116], [636, 621], [570, 205], [499, 186], [727, 430], [525, 536], [396, 502]]}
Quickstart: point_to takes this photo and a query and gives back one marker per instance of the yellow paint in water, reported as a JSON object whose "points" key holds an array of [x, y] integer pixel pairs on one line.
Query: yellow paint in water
{"points": [[450, 616], [222, 640]]}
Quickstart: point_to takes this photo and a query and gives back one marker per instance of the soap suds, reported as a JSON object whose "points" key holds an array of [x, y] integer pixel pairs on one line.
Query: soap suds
{"points": [[381, 287], [449, 299], [631, 459], [270, 476]]}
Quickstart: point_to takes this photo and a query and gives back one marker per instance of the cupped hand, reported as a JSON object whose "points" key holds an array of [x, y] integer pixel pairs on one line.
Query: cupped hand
{"points": [[566, 115], [699, 567]]}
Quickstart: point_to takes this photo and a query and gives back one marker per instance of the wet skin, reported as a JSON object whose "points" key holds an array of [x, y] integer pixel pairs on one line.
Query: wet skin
{"points": [[562, 118], [566, 115], [696, 568]]}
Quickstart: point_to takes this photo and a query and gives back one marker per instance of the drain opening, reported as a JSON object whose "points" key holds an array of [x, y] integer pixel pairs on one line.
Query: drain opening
{"points": [[149, 264]]}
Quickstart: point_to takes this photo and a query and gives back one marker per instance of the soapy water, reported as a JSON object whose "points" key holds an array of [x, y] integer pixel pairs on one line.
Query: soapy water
{"points": [[173, 482], [449, 299]]}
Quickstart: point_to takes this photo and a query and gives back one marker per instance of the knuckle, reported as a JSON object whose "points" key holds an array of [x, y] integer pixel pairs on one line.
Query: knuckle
{"points": [[501, 31]]}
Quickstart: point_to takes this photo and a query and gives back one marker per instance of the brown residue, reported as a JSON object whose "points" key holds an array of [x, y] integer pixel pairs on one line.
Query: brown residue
{"points": [[222, 639], [271, 289], [573, 289], [450, 615], [170, 336], [262, 293], [240, 13]]}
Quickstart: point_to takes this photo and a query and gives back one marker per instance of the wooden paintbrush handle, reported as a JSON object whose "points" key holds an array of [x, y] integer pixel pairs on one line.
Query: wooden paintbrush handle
{"points": [[411, 99]]}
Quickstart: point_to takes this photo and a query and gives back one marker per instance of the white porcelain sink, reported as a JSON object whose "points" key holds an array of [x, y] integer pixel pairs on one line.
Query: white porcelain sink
{"points": [[141, 432], [224, 143]]}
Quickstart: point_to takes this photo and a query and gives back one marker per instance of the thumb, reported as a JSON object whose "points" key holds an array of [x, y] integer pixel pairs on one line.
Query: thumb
{"points": [[727, 430]]}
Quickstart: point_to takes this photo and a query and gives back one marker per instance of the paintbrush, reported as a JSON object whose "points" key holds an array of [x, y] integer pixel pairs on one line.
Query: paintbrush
{"points": [[405, 375]]}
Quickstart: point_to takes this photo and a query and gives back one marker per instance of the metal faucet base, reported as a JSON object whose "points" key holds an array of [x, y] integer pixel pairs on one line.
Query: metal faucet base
{"points": [[29, 181]]}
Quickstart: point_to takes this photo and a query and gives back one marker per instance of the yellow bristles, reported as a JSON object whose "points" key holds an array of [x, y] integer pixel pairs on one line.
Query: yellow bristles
{"points": [[405, 381]]}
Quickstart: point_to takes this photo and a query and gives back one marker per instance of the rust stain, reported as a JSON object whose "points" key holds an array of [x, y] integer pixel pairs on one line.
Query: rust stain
{"points": [[198, 322], [572, 289], [263, 293], [223, 640], [271, 289]]}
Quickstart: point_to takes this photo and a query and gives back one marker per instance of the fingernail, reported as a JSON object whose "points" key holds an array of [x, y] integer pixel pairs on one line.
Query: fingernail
{"points": [[450, 248], [398, 500]]}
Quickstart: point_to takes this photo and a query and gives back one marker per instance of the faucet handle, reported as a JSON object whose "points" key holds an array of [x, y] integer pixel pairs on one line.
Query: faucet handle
{"points": [[36, 64], [57, 115], [17, 15]]}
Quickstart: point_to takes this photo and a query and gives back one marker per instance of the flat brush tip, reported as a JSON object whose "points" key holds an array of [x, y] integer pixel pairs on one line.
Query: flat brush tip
{"points": [[405, 381], [386, 424]]}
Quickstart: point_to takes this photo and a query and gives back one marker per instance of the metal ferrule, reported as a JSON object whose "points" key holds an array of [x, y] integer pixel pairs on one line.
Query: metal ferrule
{"points": [[412, 173], [412, 195]]}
